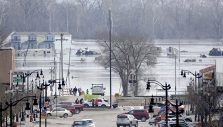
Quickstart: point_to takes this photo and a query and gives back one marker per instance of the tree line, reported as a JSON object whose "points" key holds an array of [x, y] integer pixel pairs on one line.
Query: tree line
{"points": [[193, 19]]}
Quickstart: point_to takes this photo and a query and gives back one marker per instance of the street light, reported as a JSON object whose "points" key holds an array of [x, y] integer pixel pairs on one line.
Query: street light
{"points": [[60, 85], [196, 76], [165, 87], [27, 74], [43, 86], [14, 103]]}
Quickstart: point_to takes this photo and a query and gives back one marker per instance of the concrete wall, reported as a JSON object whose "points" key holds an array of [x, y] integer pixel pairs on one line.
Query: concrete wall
{"points": [[7, 63]]}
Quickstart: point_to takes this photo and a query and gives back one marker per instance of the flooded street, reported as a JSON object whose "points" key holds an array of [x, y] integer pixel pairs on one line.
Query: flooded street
{"points": [[85, 71]]}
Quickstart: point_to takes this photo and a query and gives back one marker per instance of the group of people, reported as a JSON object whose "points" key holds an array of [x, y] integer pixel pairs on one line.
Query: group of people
{"points": [[75, 91], [77, 101], [94, 102]]}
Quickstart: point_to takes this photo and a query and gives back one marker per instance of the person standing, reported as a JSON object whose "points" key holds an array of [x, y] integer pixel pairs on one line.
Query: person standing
{"points": [[70, 90], [79, 91], [87, 91], [96, 102], [81, 101], [77, 101], [75, 91], [92, 102]]}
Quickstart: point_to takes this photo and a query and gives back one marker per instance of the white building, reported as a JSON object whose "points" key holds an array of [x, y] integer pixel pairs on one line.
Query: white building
{"points": [[36, 40], [219, 72]]}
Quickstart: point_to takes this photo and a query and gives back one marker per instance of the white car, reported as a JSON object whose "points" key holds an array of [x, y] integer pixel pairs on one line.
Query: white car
{"points": [[126, 120], [91, 123], [101, 103], [58, 111], [80, 123], [162, 123]]}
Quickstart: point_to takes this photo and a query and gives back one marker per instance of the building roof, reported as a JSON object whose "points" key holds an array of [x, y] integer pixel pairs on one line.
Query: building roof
{"points": [[42, 33]]}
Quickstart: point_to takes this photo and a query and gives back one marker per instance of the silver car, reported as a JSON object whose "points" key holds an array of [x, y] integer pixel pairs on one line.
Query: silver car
{"points": [[91, 123], [126, 120], [58, 111]]}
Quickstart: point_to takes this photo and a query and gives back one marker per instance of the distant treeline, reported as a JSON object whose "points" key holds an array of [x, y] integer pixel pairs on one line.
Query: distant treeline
{"points": [[197, 19]]}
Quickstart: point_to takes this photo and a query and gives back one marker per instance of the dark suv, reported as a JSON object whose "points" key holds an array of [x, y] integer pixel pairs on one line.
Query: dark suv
{"points": [[139, 114]]}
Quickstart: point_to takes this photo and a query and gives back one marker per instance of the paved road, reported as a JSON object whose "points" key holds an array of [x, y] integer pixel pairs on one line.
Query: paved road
{"points": [[102, 118]]}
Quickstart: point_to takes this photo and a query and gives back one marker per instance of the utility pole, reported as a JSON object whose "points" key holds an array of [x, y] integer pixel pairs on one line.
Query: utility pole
{"points": [[110, 31], [175, 79], [61, 54]]}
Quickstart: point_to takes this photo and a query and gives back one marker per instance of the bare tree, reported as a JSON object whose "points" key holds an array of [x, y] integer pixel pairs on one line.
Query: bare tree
{"points": [[129, 53]]}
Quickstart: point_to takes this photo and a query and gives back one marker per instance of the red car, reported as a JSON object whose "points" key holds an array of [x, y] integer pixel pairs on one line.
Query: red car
{"points": [[78, 107], [68, 107], [139, 114]]}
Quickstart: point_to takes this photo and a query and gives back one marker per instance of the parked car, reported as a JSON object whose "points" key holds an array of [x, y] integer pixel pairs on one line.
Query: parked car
{"points": [[162, 123], [80, 123], [101, 103], [68, 107], [140, 114], [153, 119], [126, 120], [78, 107], [58, 111], [91, 123]]}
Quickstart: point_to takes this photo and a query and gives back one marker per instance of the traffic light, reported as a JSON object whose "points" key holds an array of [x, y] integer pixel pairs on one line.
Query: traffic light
{"points": [[63, 83], [148, 85]]}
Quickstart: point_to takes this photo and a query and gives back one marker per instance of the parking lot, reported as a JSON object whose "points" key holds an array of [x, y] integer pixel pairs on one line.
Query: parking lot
{"points": [[101, 117]]}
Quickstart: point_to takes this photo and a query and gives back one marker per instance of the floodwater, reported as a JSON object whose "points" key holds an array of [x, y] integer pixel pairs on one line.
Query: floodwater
{"points": [[85, 71]]}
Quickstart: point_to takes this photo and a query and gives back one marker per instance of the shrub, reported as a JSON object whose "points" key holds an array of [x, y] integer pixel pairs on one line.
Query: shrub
{"points": [[117, 95]]}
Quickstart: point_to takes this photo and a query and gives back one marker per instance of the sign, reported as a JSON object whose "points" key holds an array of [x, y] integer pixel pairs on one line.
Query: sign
{"points": [[16, 78]]}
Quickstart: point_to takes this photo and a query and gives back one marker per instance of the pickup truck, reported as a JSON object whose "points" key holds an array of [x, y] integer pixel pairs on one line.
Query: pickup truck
{"points": [[78, 107]]}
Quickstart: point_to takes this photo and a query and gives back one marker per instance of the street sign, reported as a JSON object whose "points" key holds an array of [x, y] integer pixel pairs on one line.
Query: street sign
{"points": [[16, 78]]}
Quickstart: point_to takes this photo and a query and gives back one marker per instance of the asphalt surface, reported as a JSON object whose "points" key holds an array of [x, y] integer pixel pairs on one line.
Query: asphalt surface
{"points": [[102, 118]]}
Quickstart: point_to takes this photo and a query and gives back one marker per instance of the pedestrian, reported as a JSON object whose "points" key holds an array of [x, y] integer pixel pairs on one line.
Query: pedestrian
{"points": [[96, 102], [75, 91], [79, 91], [92, 102], [87, 91], [70, 91], [77, 101], [81, 101]]}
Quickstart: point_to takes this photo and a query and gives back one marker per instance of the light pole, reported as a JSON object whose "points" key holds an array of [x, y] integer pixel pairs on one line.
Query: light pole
{"points": [[196, 76], [165, 87], [42, 87], [11, 103], [110, 55], [61, 54]]}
